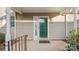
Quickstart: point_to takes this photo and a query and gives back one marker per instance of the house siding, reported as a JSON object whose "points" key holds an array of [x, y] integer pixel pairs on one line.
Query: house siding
{"points": [[24, 28], [56, 28]]}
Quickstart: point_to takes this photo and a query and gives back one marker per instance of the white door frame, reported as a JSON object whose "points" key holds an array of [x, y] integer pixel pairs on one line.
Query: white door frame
{"points": [[36, 23], [35, 35]]}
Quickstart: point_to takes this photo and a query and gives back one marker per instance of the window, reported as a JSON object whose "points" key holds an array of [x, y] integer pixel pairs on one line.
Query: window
{"points": [[12, 21]]}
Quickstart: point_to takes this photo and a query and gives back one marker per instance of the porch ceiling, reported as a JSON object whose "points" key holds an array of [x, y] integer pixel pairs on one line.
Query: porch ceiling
{"points": [[38, 9]]}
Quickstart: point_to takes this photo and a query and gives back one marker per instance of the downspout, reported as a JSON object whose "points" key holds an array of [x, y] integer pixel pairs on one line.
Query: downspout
{"points": [[65, 27]]}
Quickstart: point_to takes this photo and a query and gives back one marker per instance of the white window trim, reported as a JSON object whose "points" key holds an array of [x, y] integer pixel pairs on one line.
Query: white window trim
{"points": [[14, 14], [15, 24]]}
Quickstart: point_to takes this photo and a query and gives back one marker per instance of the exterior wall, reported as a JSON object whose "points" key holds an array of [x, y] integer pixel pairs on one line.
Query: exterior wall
{"points": [[2, 25], [56, 25], [70, 20], [25, 28]]}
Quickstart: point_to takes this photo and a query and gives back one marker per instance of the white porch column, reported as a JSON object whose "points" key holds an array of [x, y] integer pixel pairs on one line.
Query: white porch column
{"points": [[66, 27], [8, 35], [75, 18]]}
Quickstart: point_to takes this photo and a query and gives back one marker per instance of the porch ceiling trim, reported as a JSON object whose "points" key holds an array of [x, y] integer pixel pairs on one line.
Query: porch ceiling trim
{"points": [[18, 10], [38, 9]]}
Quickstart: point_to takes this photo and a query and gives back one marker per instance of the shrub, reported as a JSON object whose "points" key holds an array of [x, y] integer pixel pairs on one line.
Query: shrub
{"points": [[2, 37], [73, 40]]}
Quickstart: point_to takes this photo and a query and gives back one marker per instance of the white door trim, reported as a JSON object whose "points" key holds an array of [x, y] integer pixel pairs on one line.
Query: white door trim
{"points": [[35, 35], [35, 19]]}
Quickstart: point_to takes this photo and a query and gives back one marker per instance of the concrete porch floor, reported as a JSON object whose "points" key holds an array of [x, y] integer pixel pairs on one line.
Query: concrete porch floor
{"points": [[34, 45], [52, 46]]}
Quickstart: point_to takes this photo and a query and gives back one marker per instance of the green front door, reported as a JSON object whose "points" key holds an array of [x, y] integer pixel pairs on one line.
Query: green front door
{"points": [[43, 24]]}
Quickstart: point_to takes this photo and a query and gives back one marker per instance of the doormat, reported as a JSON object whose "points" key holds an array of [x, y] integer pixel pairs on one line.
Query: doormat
{"points": [[44, 41]]}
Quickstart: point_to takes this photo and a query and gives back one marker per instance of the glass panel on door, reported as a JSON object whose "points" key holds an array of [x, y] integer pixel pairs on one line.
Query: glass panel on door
{"points": [[43, 24]]}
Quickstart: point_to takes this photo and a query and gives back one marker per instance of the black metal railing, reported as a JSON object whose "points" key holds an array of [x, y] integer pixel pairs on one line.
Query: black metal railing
{"points": [[17, 44]]}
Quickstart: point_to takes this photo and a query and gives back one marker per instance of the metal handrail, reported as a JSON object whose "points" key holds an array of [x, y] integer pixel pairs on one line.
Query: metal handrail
{"points": [[19, 46]]}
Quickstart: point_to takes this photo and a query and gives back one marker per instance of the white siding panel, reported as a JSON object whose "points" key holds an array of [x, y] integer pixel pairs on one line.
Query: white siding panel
{"points": [[24, 28], [57, 30], [57, 27]]}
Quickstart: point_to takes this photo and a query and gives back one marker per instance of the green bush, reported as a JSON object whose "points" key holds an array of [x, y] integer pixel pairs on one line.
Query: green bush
{"points": [[2, 37], [73, 40]]}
